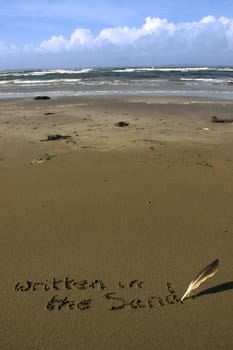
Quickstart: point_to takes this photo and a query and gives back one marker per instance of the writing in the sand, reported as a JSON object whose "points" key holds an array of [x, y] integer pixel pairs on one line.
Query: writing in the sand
{"points": [[113, 300], [59, 284]]}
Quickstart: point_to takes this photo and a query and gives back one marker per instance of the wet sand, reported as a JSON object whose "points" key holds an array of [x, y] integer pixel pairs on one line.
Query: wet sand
{"points": [[100, 241]]}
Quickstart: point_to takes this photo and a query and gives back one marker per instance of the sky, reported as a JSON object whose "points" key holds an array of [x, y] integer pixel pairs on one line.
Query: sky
{"points": [[90, 33]]}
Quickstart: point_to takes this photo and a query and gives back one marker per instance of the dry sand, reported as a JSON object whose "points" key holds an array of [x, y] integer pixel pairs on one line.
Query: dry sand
{"points": [[121, 210]]}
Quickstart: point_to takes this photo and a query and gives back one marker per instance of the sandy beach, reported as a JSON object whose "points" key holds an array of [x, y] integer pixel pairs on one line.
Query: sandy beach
{"points": [[102, 230]]}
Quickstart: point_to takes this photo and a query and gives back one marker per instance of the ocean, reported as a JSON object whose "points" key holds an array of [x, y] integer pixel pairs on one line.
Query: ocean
{"points": [[205, 82]]}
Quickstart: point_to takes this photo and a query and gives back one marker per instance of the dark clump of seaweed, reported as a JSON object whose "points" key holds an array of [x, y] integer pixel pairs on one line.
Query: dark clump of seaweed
{"points": [[42, 98], [55, 137], [215, 119]]}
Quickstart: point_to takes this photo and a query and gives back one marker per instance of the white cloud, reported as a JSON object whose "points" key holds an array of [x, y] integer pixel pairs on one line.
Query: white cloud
{"points": [[81, 37], [118, 35], [55, 43], [193, 35], [208, 19], [157, 41], [157, 25]]}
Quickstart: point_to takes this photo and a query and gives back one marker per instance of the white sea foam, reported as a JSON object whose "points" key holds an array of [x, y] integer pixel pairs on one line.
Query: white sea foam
{"points": [[4, 82], [45, 82], [174, 69], [225, 69], [207, 80], [162, 69], [131, 70], [45, 72], [76, 71]]}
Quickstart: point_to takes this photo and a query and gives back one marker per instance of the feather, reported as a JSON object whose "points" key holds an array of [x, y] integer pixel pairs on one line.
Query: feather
{"points": [[209, 271]]}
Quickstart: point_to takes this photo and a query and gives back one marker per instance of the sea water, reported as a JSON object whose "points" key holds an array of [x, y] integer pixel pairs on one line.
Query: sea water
{"points": [[205, 82]]}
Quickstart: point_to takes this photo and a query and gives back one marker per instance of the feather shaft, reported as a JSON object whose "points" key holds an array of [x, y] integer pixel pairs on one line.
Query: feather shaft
{"points": [[209, 271]]}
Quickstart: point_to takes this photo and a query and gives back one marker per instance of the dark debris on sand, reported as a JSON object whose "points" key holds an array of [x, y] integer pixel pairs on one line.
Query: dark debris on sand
{"points": [[122, 124], [56, 137], [42, 98], [215, 119]]}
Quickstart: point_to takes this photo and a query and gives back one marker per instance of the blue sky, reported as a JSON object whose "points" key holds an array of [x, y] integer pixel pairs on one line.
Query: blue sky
{"points": [[69, 33]]}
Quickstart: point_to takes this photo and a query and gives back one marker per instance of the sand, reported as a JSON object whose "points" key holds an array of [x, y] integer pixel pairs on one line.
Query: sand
{"points": [[101, 237]]}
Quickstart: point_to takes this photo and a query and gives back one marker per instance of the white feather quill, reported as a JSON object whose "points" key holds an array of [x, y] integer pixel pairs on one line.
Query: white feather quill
{"points": [[209, 271]]}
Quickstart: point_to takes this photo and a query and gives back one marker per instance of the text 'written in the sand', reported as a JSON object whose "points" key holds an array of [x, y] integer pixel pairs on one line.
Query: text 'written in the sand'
{"points": [[84, 295]]}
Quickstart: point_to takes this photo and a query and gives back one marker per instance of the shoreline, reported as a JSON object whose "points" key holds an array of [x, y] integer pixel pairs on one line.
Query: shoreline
{"points": [[163, 96]]}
